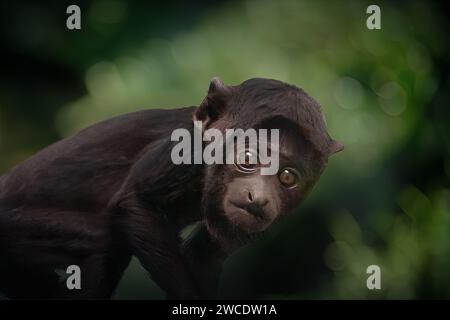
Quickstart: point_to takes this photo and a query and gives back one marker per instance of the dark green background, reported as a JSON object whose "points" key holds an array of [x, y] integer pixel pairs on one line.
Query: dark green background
{"points": [[385, 93]]}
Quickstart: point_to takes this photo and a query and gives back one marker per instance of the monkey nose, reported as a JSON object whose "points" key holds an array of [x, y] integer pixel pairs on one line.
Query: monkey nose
{"points": [[256, 199]]}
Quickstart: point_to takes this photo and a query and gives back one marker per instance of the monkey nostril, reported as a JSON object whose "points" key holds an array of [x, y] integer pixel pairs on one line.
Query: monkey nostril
{"points": [[260, 201]]}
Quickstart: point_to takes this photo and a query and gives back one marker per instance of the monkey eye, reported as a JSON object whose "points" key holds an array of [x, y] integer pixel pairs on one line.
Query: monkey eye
{"points": [[288, 177], [247, 161]]}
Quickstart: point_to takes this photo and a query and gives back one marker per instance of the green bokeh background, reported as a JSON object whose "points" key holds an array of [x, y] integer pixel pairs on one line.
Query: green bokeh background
{"points": [[384, 201]]}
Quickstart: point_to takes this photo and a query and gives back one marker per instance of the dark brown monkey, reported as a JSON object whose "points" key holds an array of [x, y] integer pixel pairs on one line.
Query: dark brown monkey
{"points": [[111, 191]]}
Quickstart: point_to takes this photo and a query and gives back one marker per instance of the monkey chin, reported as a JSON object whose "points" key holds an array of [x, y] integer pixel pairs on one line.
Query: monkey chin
{"points": [[234, 227]]}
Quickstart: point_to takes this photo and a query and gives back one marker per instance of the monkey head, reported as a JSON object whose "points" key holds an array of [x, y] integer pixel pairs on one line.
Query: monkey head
{"points": [[239, 202]]}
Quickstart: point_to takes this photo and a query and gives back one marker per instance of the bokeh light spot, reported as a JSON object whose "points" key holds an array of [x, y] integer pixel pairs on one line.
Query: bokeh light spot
{"points": [[392, 98], [348, 93]]}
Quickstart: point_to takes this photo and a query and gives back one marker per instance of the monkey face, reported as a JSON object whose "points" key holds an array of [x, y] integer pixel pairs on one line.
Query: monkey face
{"points": [[253, 201], [240, 203]]}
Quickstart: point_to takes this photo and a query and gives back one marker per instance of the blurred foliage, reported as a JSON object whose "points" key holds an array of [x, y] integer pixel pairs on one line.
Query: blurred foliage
{"points": [[385, 94]]}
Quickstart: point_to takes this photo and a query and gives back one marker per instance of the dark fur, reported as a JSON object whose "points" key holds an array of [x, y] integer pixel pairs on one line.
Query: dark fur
{"points": [[111, 191]]}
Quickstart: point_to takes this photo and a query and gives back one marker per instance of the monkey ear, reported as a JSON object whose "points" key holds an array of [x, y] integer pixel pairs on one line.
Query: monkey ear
{"points": [[335, 147], [214, 104]]}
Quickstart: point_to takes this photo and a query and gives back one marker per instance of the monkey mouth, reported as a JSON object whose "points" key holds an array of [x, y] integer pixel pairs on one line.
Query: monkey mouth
{"points": [[256, 211], [252, 210]]}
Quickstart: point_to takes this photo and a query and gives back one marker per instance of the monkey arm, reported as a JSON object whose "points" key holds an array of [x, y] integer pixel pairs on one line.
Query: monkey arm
{"points": [[205, 258], [155, 244]]}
